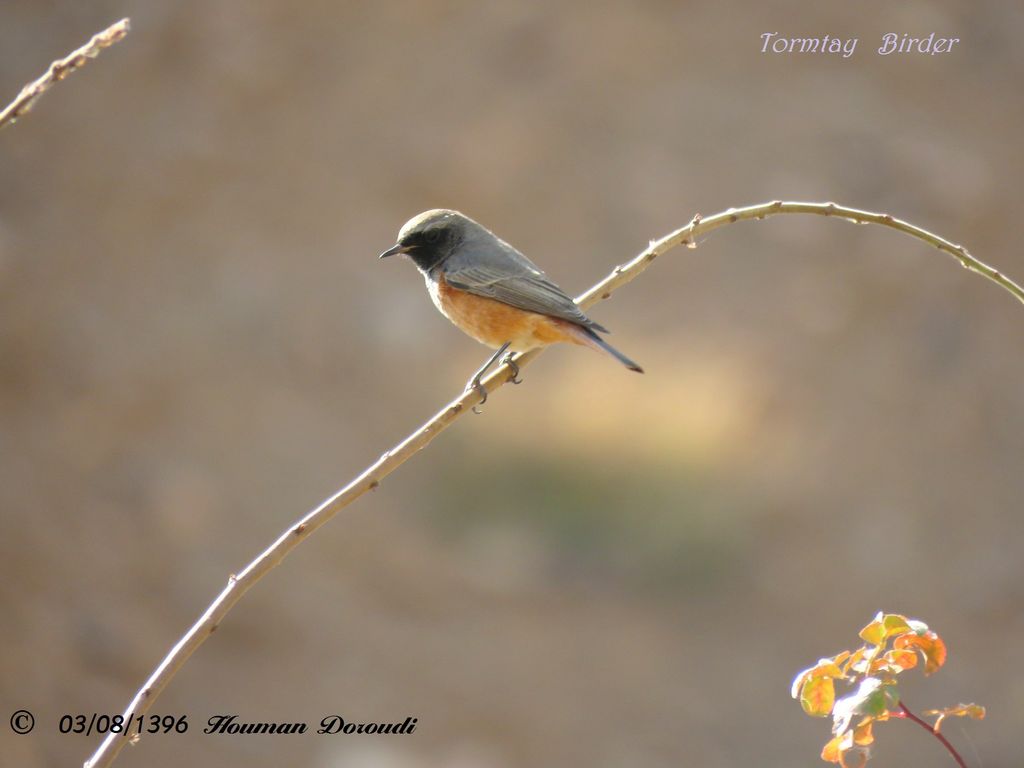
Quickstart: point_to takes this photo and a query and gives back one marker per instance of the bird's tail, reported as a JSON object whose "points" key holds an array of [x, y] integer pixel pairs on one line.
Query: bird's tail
{"points": [[590, 338]]}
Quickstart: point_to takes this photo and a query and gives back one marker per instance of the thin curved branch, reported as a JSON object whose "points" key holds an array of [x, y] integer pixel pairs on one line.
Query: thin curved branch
{"points": [[906, 713], [391, 460], [762, 211], [60, 69]]}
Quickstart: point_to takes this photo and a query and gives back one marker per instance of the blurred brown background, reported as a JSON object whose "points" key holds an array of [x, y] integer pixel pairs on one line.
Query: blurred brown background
{"points": [[197, 345]]}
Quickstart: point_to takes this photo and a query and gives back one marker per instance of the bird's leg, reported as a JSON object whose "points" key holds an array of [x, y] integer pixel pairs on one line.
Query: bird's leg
{"points": [[475, 384], [507, 360]]}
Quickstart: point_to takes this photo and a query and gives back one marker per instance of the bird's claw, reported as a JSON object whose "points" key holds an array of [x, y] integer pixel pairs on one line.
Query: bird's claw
{"points": [[480, 389], [474, 383], [514, 378]]}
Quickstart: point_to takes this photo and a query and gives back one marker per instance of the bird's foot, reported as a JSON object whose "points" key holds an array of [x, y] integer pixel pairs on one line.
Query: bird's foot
{"points": [[475, 383], [507, 360], [477, 386]]}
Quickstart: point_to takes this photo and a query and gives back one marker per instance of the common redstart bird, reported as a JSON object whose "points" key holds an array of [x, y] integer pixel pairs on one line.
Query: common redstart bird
{"points": [[492, 292]]}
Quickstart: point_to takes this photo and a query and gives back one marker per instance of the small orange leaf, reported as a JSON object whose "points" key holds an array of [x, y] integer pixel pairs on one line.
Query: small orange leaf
{"points": [[893, 663], [928, 643], [904, 659], [831, 752], [842, 750], [862, 734], [974, 711]]}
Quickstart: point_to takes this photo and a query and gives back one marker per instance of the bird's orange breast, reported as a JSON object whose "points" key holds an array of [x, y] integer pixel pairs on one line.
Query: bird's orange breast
{"points": [[494, 322]]}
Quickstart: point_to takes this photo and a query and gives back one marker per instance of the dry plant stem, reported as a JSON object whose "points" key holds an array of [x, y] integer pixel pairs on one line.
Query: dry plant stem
{"points": [[371, 478], [907, 714], [61, 69]]}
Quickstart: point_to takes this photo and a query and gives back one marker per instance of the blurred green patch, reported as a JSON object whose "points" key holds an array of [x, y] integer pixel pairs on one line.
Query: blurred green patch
{"points": [[647, 529]]}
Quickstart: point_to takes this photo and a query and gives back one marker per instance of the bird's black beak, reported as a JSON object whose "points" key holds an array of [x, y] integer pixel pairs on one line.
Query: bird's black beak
{"points": [[396, 249]]}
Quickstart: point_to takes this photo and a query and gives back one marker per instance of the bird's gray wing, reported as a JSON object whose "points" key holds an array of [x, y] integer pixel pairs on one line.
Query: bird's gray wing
{"points": [[498, 271]]}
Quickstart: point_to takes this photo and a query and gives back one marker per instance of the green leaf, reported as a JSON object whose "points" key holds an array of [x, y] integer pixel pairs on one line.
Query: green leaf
{"points": [[873, 698]]}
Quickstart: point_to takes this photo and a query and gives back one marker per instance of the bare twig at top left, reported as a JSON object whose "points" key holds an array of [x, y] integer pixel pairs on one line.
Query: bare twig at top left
{"points": [[60, 69]]}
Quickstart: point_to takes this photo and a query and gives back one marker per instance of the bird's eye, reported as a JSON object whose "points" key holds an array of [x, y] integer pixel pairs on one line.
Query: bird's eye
{"points": [[432, 235]]}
